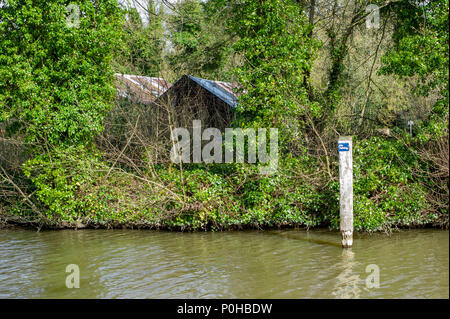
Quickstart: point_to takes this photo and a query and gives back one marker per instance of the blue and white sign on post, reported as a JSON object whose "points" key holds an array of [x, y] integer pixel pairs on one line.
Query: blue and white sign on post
{"points": [[343, 146], [346, 190]]}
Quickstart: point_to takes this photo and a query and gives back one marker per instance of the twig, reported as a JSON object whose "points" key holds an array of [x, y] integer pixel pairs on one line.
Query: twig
{"points": [[26, 198]]}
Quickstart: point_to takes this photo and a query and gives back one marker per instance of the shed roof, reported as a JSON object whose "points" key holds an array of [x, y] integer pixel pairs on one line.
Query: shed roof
{"points": [[223, 90], [140, 88]]}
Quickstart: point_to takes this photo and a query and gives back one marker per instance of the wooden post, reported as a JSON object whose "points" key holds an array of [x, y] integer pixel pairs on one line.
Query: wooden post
{"points": [[345, 149], [410, 124]]}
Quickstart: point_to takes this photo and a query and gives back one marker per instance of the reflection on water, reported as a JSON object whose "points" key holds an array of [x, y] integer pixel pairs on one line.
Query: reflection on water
{"points": [[247, 264], [347, 282]]}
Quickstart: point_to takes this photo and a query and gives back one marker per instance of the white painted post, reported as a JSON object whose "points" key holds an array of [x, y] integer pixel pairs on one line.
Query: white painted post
{"points": [[345, 149], [410, 124]]}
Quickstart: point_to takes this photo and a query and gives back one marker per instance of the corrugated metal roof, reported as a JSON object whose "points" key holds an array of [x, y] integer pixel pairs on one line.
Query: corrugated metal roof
{"points": [[223, 90], [140, 88]]}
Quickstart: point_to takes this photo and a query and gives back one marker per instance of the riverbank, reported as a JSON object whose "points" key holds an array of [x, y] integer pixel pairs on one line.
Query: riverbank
{"points": [[13, 222], [79, 190]]}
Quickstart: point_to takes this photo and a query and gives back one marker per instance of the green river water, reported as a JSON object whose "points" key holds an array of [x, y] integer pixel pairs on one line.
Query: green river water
{"points": [[239, 264]]}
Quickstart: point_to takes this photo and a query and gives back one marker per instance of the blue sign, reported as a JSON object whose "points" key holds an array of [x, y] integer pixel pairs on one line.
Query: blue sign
{"points": [[343, 147]]}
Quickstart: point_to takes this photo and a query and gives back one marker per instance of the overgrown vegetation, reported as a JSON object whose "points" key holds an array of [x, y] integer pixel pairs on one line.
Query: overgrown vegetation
{"points": [[73, 156]]}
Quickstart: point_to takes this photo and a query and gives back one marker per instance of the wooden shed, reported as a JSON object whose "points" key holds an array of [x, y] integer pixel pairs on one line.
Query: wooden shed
{"points": [[192, 98]]}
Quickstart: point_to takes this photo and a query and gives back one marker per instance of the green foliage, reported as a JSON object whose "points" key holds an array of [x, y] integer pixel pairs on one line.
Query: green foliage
{"points": [[58, 178], [200, 45], [56, 85], [56, 81], [142, 45], [421, 51], [75, 185], [277, 54], [216, 199], [387, 193]]}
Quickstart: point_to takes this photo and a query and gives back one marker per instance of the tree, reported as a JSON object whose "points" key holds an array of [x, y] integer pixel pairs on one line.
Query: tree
{"points": [[56, 86], [277, 54], [199, 42], [141, 52], [421, 50], [56, 82]]}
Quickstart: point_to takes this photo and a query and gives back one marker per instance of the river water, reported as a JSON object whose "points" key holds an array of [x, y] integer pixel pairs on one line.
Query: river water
{"points": [[240, 264]]}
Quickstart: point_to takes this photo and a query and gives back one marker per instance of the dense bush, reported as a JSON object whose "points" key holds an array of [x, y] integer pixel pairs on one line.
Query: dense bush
{"points": [[387, 193]]}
